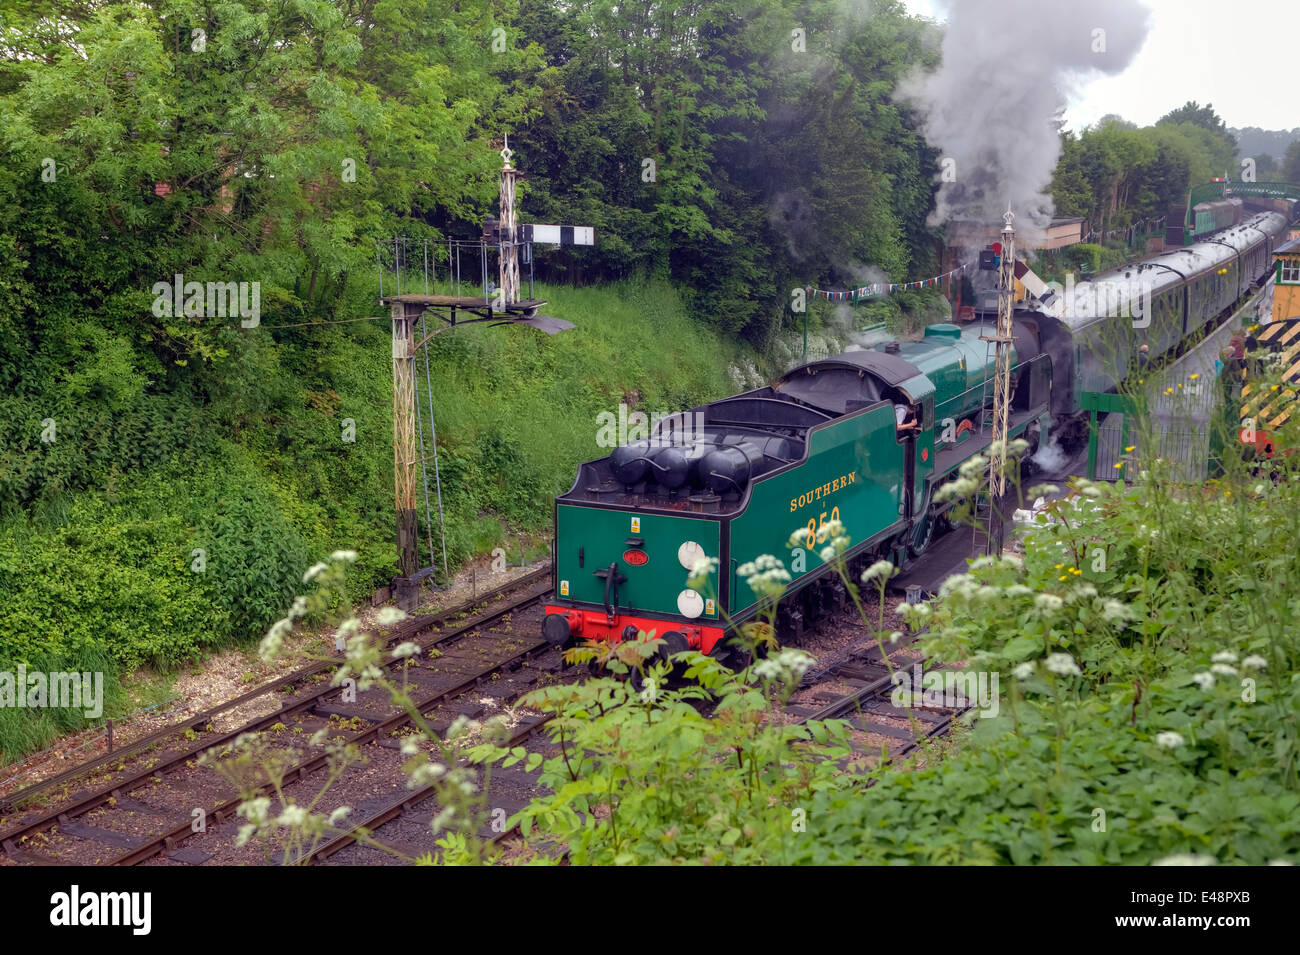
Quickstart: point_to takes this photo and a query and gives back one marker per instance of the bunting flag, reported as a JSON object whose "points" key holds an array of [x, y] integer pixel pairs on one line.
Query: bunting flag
{"points": [[876, 289]]}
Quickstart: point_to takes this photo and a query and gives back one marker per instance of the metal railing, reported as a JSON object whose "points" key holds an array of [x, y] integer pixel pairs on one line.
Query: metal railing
{"points": [[1187, 451]]}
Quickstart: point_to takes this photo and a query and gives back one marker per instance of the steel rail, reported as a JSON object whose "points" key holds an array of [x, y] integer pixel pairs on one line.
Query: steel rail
{"points": [[301, 702]]}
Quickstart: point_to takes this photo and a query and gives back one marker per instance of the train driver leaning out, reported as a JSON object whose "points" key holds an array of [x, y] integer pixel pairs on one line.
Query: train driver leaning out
{"points": [[906, 419]]}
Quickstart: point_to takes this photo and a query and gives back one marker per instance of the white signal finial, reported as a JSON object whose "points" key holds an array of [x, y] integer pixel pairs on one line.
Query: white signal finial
{"points": [[506, 152]]}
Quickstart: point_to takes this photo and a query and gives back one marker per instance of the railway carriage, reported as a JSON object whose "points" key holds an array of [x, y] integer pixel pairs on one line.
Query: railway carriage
{"points": [[1162, 301]]}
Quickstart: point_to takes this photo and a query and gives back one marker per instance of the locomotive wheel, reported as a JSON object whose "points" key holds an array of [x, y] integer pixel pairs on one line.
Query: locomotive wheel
{"points": [[935, 526], [674, 641], [730, 656]]}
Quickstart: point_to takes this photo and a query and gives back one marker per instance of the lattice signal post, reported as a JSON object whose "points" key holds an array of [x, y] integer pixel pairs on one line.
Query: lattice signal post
{"points": [[1002, 339], [499, 306]]}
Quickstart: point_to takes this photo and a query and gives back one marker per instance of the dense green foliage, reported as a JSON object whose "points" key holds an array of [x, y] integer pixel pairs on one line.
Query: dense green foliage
{"points": [[708, 143]]}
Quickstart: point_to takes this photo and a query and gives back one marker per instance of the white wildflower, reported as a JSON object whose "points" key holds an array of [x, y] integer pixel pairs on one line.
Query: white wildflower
{"points": [[388, 616], [765, 575], [880, 570], [700, 571], [1018, 590], [829, 531], [339, 814], [788, 666], [1113, 611], [1224, 656], [410, 745], [460, 726], [960, 585], [255, 810], [800, 538], [1186, 858], [1203, 680], [1025, 670], [974, 467], [1082, 592], [272, 643], [1254, 662], [962, 487], [767, 669], [347, 555], [407, 649], [1048, 603], [1223, 669], [1063, 664], [314, 571], [1169, 739], [827, 554], [895, 636], [298, 608], [292, 816], [439, 821], [426, 775]]}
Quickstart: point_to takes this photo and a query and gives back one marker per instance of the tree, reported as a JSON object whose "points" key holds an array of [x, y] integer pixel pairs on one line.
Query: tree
{"points": [[256, 143], [1195, 113], [1192, 113], [708, 144], [1290, 170]]}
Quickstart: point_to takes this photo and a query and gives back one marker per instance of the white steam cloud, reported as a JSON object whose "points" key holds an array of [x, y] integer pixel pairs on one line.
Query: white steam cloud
{"points": [[992, 107]]}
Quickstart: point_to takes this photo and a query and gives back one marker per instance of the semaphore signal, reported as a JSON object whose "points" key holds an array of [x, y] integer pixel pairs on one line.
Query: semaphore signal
{"points": [[500, 304]]}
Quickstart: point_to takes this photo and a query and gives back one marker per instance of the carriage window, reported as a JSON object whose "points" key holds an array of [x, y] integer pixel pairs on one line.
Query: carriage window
{"points": [[1290, 274]]}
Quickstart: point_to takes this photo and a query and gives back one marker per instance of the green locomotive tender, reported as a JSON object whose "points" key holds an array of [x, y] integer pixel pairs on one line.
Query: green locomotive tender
{"points": [[864, 438]]}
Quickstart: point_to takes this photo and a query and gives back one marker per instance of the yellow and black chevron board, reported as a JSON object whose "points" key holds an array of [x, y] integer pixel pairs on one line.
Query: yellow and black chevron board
{"points": [[1264, 408]]}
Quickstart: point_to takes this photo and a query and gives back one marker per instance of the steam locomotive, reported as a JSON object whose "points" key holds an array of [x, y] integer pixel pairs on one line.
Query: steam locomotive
{"points": [[864, 438]]}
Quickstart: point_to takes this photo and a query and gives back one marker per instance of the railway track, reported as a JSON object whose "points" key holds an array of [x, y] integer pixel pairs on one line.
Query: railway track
{"points": [[147, 813], [132, 814], [856, 686], [884, 732], [400, 829]]}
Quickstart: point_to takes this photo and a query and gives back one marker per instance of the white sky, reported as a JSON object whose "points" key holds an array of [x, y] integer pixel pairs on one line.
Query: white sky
{"points": [[1254, 83]]}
